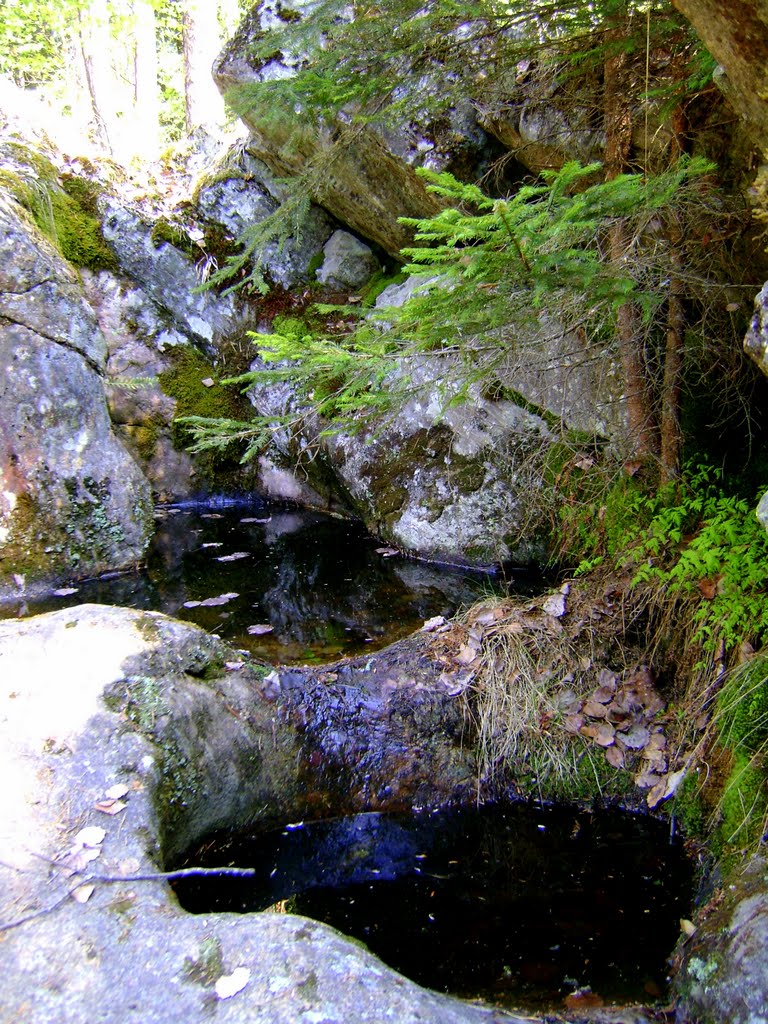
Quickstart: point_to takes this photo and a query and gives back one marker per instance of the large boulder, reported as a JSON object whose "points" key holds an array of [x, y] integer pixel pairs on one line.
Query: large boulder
{"points": [[90, 932], [366, 186], [72, 500], [452, 478]]}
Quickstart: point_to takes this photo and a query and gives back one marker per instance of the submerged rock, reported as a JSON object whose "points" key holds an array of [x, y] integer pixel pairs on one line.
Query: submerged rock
{"points": [[72, 500]]}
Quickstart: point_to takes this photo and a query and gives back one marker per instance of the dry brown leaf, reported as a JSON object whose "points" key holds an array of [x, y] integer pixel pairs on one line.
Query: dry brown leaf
{"points": [[615, 756], [110, 806], [466, 655], [604, 694], [605, 734], [433, 624], [647, 780], [707, 589], [636, 737], [593, 709], [573, 723], [117, 792], [687, 927]]}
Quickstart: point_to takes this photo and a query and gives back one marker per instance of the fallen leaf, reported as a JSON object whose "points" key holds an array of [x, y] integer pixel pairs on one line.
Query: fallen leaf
{"points": [[82, 893], [229, 985], [77, 859], [636, 737], [387, 552], [267, 520], [605, 734], [64, 591], [209, 515], [91, 836], [573, 723], [555, 605], [592, 709], [433, 624], [213, 544], [604, 694], [687, 927], [615, 756], [707, 589], [233, 557], [604, 677], [110, 806], [260, 629], [233, 666], [117, 792], [647, 780], [208, 382], [665, 788], [214, 602], [466, 655]]}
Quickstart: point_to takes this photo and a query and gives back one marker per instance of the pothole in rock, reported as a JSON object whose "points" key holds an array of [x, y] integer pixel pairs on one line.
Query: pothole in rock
{"points": [[530, 908]]}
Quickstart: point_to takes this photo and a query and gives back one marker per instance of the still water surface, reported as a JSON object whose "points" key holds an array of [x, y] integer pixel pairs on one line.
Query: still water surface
{"points": [[519, 905], [294, 586]]}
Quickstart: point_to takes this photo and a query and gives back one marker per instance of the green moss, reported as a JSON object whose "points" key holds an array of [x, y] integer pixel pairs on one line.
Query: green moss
{"points": [[314, 265], [375, 286], [165, 231], [183, 381], [743, 807], [208, 967]]}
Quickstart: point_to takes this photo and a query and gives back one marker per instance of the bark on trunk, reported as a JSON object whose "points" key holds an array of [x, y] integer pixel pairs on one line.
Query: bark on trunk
{"points": [[618, 130]]}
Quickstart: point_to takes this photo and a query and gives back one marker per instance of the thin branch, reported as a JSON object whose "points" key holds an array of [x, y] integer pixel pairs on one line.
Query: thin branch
{"points": [[155, 876]]}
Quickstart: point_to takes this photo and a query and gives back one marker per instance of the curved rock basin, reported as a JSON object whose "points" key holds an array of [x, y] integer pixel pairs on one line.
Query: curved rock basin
{"points": [[521, 906], [285, 585]]}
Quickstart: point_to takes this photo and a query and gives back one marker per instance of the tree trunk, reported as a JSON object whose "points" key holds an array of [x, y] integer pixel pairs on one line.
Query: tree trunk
{"points": [[617, 101], [146, 91], [94, 45], [671, 435], [202, 42]]}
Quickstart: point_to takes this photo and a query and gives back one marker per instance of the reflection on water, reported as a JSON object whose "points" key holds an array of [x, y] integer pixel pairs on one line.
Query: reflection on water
{"points": [[309, 586]]}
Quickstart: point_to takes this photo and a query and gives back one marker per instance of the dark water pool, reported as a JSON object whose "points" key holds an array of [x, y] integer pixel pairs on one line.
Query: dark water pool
{"points": [[517, 905], [285, 585]]}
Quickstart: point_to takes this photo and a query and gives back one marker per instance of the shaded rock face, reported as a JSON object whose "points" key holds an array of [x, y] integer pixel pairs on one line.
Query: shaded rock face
{"points": [[723, 971], [72, 500], [170, 278], [348, 262], [146, 702], [139, 340], [240, 194], [756, 340], [446, 484]]}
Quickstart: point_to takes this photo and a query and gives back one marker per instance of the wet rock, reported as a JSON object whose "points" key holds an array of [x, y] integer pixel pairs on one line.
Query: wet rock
{"points": [[141, 701], [72, 498]]}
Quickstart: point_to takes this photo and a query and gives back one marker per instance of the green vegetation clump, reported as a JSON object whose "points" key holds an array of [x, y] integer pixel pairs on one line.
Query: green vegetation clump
{"points": [[64, 209], [183, 381]]}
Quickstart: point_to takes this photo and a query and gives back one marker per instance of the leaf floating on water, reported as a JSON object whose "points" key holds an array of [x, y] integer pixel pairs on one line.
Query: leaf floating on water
{"points": [[211, 515], [387, 552], [212, 602], [229, 985], [250, 520], [213, 544], [583, 999], [65, 591], [234, 557], [260, 629]]}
